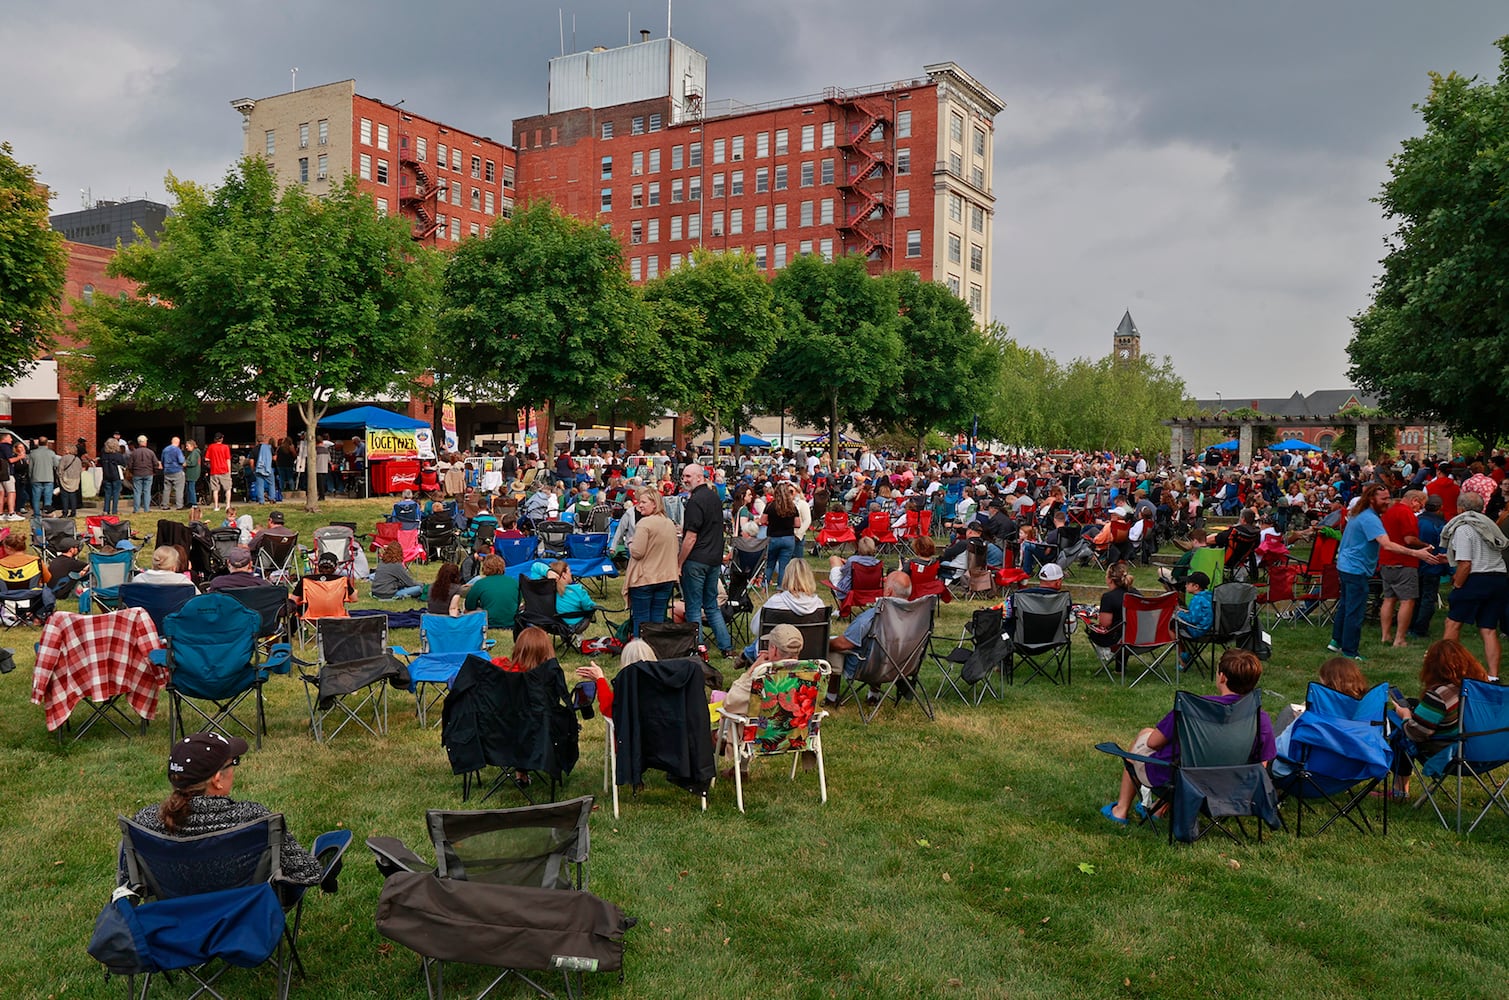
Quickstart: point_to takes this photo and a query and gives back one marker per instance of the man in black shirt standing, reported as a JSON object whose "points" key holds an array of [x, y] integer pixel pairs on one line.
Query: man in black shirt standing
{"points": [[701, 555]]}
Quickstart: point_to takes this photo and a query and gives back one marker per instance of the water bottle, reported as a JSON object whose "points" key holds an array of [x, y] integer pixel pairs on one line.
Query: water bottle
{"points": [[573, 963]]}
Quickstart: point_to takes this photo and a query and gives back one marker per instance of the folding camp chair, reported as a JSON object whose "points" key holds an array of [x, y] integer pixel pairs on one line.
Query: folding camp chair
{"points": [[901, 636], [1211, 562], [107, 571], [1240, 561], [1042, 636], [322, 599], [338, 540], [1211, 774], [814, 627], [444, 644], [671, 640], [659, 722], [1280, 592], [748, 560], [1148, 636], [277, 558], [1073, 548], [552, 536], [1478, 750], [158, 599], [355, 663], [100, 660], [1337, 754], [439, 536], [516, 551], [270, 602], [866, 586], [538, 609], [507, 890], [835, 531], [23, 597], [782, 719], [385, 533], [225, 540], [738, 605], [406, 513], [977, 582], [213, 901], [94, 530], [1233, 608], [210, 652], [1318, 586], [514, 721], [204, 559], [57, 535], [878, 527], [587, 545], [176, 534], [982, 651]]}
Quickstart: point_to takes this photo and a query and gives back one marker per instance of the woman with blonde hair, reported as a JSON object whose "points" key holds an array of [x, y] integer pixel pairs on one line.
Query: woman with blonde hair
{"points": [[798, 594], [653, 552], [634, 651]]}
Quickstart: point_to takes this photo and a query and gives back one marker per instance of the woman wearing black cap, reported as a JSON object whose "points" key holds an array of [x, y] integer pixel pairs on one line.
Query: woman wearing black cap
{"points": [[202, 769]]}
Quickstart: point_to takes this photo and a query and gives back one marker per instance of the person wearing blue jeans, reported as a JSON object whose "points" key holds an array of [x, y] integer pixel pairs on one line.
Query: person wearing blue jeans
{"points": [[780, 519], [701, 556], [1357, 560]]}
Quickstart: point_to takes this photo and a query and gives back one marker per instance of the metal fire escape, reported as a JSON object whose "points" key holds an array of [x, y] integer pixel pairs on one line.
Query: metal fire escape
{"points": [[416, 191], [865, 219]]}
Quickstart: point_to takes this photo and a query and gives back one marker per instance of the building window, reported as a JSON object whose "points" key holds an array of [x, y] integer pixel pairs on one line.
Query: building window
{"points": [[475, 229], [455, 229], [827, 135], [720, 146], [903, 124], [807, 214], [877, 133], [737, 148], [694, 227], [456, 159], [976, 258], [717, 223], [382, 206], [825, 212], [507, 208], [476, 199], [508, 177], [636, 163], [303, 135], [303, 170], [807, 174], [956, 127], [675, 261], [956, 208], [654, 161], [782, 142], [654, 127], [825, 247], [323, 166], [694, 154], [676, 191], [607, 168], [903, 162], [364, 167], [809, 138], [675, 228], [914, 243], [827, 171], [323, 128], [607, 130], [736, 184], [636, 265], [440, 227], [382, 137], [955, 246], [956, 164], [492, 172], [761, 218], [365, 131], [654, 261], [979, 142], [440, 155], [476, 168], [762, 145], [382, 171], [422, 148], [977, 177], [718, 189], [780, 177], [456, 193], [88, 294], [636, 232], [736, 222], [804, 248], [607, 199], [676, 158], [652, 231], [694, 188], [762, 180], [636, 196], [976, 298], [780, 256], [272, 142], [779, 220], [953, 283], [903, 203], [977, 218], [762, 256], [636, 126], [654, 193], [487, 202]]}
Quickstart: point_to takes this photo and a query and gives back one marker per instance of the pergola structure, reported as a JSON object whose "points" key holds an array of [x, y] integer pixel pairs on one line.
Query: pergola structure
{"points": [[1181, 427]]}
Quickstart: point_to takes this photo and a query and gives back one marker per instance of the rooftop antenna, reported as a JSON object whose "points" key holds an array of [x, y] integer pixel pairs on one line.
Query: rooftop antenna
{"points": [[668, 18], [295, 84], [561, 14], [629, 30]]}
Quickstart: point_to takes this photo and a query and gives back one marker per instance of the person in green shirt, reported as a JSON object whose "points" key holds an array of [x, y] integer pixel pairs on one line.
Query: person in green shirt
{"points": [[193, 465], [496, 593]]}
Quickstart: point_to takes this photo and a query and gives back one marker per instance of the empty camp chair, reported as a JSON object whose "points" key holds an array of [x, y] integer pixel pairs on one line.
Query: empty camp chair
{"points": [[738, 604], [516, 551], [878, 527], [210, 652], [277, 558], [925, 579], [1042, 634], [671, 640], [1479, 750], [507, 890], [100, 660], [552, 536], [902, 632], [1279, 593], [977, 582], [94, 530], [158, 599], [516, 721], [976, 660], [1147, 636], [174, 533], [1233, 617], [659, 722], [783, 719], [444, 644], [836, 531], [1212, 774], [353, 670], [1073, 548], [107, 571], [748, 560], [322, 599], [212, 902], [386, 532], [1337, 758], [587, 545]]}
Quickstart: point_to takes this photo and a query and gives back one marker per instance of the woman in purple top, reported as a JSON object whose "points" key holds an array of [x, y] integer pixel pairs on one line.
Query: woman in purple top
{"points": [[1237, 675]]}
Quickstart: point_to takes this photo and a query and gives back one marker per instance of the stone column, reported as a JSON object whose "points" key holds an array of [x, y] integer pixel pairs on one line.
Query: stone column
{"points": [[1244, 445], [1364, 442], [1176, 447]]}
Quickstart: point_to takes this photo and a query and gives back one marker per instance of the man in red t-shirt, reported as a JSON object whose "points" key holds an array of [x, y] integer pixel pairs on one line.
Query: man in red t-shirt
{"points": [[218, 455], [1446, 488], [1400, 574]]}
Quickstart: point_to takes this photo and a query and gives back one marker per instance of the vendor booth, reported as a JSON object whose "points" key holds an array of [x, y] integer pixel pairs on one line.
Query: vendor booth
{"points": [[396, 445]]}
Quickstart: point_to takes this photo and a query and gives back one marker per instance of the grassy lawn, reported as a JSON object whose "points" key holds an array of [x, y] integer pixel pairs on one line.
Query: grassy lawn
{"points": [[959, 858]]}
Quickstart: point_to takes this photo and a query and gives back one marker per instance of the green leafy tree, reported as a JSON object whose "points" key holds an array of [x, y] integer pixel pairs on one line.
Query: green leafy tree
{"points": [[33, 264], [543, 303], [1019, 407], [840, 345], [251, 293], [1435, 341], [717, 326], [944, 367]]}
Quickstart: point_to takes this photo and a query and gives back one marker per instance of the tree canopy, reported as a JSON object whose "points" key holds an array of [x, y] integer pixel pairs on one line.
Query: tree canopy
{"points": [[544, 303], [33, 266], [253, 293], [1435, 341]]}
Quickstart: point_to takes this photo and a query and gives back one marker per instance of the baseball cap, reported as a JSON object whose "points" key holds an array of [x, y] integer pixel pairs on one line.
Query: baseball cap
{"points": [[200, 756], [328, 559], [1051, 572], [276, 517], [783, 637], [239, 556]]}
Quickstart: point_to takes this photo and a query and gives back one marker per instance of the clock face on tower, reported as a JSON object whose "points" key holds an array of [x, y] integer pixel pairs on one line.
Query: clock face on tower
{"points": [[1124, 353]]}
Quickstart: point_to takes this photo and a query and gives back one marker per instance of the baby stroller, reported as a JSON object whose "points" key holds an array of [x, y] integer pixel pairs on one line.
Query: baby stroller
{"points": [[205, 561], [438, 535]]}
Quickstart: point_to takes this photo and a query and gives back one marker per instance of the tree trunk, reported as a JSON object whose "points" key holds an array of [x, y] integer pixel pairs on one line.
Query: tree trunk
{"points": [[311, 410], [833, 431], [547, 434], [715, 441]]}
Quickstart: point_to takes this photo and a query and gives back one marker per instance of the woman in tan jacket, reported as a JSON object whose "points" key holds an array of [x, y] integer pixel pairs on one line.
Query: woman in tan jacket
{"points": [[652, 559]]}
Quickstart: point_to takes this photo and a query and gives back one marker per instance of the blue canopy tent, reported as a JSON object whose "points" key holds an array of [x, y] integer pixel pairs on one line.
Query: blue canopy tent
{"points": [[360, 419], [745, 441], [1294, 444], [1224, 446]]}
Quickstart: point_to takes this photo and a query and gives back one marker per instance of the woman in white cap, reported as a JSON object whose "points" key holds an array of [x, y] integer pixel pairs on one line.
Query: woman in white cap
{"points": [[202, 769]]}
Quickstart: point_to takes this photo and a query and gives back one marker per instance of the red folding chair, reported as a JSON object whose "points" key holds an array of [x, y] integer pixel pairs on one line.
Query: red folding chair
{"points": [[1280, 590], [836, 530], [1009, 575], [1147, 635], [879, 528], [867, 585], [925, 580]]}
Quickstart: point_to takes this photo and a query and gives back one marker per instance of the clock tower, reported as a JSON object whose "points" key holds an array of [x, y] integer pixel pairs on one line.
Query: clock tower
{"points": [[1126, 345]]}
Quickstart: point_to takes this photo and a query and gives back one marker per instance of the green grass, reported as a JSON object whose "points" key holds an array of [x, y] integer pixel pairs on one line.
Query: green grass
{"points": [[947, 862]]}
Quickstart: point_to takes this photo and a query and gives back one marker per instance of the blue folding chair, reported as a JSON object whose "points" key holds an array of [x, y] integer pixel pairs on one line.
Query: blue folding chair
{"points": [[210, 650], [587, 545], [406, 512], [107, 571], [516, 551], [1479, 749], [158, 599], [1337, 753], [445, 643]]}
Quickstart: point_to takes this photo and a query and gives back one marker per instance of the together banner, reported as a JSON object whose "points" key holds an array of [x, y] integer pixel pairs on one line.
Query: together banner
{"points": [[383, 442]]}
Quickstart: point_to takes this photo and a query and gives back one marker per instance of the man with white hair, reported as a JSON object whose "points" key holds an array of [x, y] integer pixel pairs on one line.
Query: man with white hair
{"points": [[142, 464], [173, 476], [1475, 546], [701, 555]]}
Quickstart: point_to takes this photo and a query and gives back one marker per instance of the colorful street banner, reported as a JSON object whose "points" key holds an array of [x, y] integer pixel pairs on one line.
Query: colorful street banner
{"points": [[385, 442], [448, 425], [424, 442]]}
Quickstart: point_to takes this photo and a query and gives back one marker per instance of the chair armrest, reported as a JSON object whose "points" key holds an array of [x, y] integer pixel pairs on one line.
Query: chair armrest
{"points": [[158, 657], [278, 659], [400, 651], [393, 855], [1116, 751], [742, 720]]}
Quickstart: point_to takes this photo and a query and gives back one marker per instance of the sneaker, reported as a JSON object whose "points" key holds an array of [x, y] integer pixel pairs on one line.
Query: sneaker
{"points": [[1358, 658], [1332, 647]]}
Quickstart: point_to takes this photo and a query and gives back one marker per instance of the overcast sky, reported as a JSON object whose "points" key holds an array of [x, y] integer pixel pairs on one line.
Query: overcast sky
{"points": [[1206, 165]]}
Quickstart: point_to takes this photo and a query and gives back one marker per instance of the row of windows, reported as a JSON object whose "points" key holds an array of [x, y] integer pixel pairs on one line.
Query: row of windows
{"points": [[323, 162], [641, 268], [480, 169], [809, 172]]}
